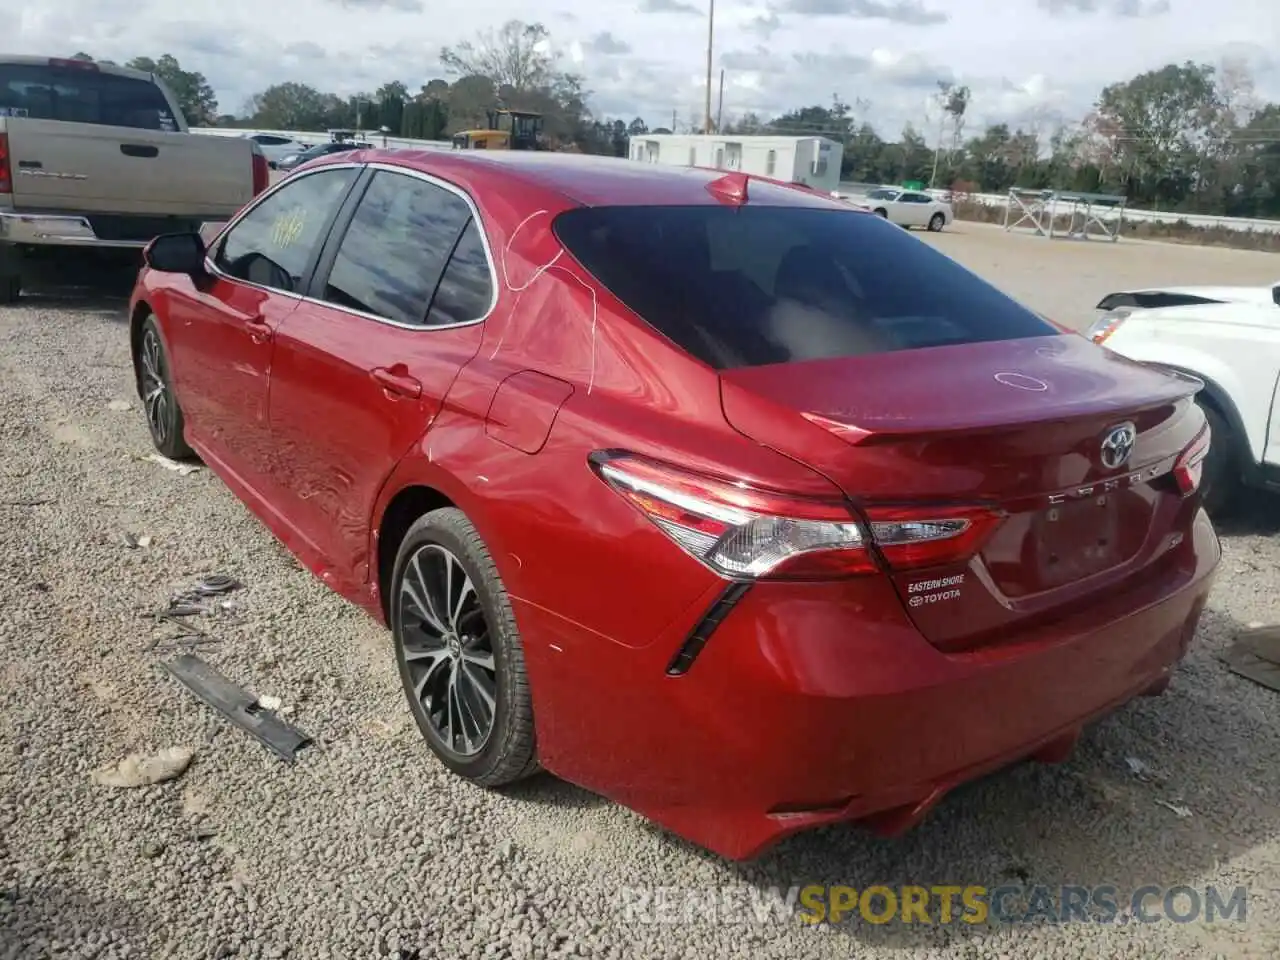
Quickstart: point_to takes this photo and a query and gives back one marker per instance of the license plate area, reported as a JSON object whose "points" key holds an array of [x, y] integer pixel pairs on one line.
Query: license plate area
{"points": [[1077, 539]]}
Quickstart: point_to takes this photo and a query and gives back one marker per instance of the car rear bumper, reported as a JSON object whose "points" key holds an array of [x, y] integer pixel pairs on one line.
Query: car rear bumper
{"points": [[57, 230], [818, 703]]}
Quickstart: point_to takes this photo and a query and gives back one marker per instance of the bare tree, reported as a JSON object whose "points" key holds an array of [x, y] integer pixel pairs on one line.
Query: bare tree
{"points": [[517, 55]]}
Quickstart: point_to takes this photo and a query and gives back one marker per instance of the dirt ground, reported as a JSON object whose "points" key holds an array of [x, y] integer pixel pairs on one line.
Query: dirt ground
{"points": [[1065, 279]]}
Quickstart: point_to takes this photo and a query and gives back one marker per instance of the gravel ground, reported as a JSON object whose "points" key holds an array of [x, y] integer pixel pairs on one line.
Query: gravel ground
{"points": [[366, 848]]}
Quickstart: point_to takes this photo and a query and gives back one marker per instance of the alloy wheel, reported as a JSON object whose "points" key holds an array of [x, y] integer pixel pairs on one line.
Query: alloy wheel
{"points": [[155, 389], [448, 650]]}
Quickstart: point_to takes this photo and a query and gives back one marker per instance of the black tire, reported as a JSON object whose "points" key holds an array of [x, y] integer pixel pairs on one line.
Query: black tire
{"points": [[936, 223], [508, 751], [1220, 480], [882, 212], [163, 413], [10, 289]]}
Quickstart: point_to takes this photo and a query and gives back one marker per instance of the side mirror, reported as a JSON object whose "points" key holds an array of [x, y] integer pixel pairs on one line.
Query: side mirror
{"points": [[176, 253]]}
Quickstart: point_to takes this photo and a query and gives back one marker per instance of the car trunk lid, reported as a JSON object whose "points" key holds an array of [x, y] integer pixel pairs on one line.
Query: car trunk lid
{"points": [[1014, 426]]}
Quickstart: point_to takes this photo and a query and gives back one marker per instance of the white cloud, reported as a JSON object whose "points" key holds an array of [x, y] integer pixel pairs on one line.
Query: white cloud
{"points": [[1021, 58]]}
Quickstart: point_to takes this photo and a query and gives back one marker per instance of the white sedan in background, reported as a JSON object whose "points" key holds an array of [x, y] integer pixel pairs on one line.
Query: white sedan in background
{"points": [[907, 208], [276, 148]]}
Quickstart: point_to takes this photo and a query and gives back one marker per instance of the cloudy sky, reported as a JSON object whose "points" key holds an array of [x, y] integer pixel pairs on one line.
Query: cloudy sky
{"points": [[1023, 59]]}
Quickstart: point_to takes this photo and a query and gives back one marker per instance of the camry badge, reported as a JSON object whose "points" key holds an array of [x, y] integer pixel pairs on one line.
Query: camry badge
{"points": [[1117, 445]]}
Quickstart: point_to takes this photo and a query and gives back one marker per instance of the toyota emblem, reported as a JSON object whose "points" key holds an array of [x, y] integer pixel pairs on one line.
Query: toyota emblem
{"points": [[1117, 446]]}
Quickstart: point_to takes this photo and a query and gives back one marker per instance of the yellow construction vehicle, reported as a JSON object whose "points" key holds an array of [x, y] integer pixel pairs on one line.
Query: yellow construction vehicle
{"points": [[507, 130]]}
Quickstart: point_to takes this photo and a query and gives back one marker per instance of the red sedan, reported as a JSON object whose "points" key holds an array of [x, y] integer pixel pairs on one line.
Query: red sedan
{"points": [[719, 498]]}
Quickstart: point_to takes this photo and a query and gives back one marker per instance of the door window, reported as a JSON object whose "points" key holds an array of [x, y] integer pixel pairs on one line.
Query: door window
{"points": [[273, 244], [394, 252]]}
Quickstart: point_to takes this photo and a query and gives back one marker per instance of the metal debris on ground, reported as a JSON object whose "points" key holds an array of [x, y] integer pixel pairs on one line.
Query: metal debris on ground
{"points": [[1256, 656], [133, 542], [203, 597], [34, 502], [1182, 812], [206, 596], [139, 771], [237, 705], [185, 469]]}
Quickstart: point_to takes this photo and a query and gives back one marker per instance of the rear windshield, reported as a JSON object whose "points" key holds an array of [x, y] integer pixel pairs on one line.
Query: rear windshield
{"points": [[748, 286], [82, 96]]}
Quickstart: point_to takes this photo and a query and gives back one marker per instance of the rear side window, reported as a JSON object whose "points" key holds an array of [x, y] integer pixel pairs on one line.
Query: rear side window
{"points": [[395, 250], [83, 95], [466, 288], [749, 286]]}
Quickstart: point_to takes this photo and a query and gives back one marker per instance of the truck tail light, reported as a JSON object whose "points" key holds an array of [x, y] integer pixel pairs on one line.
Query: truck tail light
{"points": [[261, 173], [745, 533], [6, 176], [1189, 467]]}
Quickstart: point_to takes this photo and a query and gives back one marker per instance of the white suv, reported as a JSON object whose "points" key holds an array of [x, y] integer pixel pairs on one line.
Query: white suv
{"points": [[1229, 338]]}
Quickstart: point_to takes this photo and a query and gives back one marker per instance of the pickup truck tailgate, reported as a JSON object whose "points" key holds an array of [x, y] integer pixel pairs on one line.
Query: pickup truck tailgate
{"points": [[87, 168]]}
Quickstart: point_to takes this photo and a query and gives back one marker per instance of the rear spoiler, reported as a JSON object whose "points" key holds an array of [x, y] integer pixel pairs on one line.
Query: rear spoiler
{"points": [[1150, 300], [1155, 299]]}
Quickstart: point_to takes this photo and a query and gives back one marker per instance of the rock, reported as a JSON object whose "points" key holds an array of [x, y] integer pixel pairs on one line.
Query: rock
{"points": [[139, 771]]}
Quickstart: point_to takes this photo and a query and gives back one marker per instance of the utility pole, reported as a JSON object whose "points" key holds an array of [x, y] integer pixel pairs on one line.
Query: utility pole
{"points": [[711, 26], [720, 107]]}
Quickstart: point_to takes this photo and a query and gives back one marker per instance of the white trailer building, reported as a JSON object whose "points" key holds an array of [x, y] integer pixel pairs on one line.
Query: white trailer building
{"points": [[813, 161]]}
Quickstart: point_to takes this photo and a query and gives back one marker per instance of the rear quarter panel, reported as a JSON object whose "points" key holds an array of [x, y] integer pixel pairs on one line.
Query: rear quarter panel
{"points": [[1238, 350]]}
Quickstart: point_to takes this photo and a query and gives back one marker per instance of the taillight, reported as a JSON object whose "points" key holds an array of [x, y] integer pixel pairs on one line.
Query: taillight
{"points": [[261, 173], [6, 178], [1189, 467], [913, 537], [1106, 325], [743, 532]]}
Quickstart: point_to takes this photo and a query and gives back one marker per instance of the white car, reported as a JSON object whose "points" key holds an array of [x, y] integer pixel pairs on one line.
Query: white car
{"points": [[276, 148], [907, 208], [1229, 338]]}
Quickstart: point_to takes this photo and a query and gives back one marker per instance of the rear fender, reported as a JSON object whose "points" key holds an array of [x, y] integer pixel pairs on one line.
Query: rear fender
{"points": [[1215, 395]]}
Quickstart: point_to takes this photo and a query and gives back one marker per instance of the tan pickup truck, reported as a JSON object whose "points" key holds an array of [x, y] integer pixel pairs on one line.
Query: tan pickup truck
{"points": [[95, 157]]}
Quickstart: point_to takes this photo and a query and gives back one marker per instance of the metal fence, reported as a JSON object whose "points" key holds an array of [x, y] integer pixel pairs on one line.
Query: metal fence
{"points": [[1202, 220]]}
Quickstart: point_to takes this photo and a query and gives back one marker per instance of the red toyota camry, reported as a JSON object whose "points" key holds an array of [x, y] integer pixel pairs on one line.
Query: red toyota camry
{"points": [[717, 497]]}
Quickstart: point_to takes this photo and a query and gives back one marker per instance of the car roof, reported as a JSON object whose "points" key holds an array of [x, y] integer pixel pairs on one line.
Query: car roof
{"points": [[590, 180]]}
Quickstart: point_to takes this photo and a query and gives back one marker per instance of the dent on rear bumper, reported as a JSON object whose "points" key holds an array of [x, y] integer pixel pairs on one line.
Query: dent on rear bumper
{"points": [[816, 703]]}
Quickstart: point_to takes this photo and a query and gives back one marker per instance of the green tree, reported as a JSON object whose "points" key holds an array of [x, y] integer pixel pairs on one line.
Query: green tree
{"points": [[195, 96], [294, 106], [1164, 119]]}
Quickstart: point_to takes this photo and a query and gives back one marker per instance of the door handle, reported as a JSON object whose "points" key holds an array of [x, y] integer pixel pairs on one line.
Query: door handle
{"points": [[258, 329], [396, 382]]}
